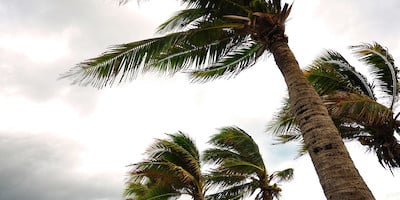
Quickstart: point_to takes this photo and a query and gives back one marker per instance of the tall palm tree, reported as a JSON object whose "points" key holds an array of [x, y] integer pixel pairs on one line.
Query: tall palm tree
{"points": [[171, 170], [220, 38], [357, 111], [240, 171]]}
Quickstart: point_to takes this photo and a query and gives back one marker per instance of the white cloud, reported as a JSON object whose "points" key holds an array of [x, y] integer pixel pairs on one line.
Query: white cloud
{"points": [[37, 47]]}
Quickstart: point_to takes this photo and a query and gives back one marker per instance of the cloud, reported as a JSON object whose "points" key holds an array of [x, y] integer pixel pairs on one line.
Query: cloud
{"points": [[41, 40], [46, 167], [361, 21]]}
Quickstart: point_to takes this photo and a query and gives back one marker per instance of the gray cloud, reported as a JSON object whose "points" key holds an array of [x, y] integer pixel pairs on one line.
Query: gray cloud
{"points": [[44, 167], [91, 27]]}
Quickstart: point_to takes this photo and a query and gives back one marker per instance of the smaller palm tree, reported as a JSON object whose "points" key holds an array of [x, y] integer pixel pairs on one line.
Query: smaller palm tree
{"points": [[171, 170], [352, 102], [240, 171]]}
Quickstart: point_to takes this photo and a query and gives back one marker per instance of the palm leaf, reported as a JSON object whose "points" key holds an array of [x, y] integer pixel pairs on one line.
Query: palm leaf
{"points": [[172, 163], [284, 123], [182, 19], [174, 52], [382, 67], [217, 178], [237, 141], [234, 62], [359, 108], [234, 192], [180, 152], [284, 175], [123, 61], [155, 192], [235, 166], [331, 72]]}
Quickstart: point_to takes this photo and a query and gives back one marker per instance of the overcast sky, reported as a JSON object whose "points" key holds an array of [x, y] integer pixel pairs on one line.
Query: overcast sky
{"points": [[66, 142]]}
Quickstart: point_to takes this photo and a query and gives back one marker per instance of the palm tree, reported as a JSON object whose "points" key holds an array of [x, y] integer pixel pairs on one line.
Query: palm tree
{"points": [[240, 170], [171, 170], [221, 38], [352, 101]]}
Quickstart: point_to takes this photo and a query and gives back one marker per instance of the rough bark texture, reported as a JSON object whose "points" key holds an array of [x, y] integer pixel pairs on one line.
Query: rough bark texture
{"points": [[266, 195], [339, 178], [265, 188]]}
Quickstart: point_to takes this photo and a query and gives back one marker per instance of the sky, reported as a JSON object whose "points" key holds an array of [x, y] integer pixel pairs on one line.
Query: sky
{"points": [[67, 142]]}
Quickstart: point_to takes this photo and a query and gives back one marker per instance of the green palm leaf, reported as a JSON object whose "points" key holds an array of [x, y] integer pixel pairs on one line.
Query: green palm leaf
{"points": [[233, 63], [382, 67], [155, 192], [234, 192], [331, 72], [360, 109], [174, 52], [284, 123], [235, 140], [182, 19], [218, 178], [284, 175], [172, 167], [240, 170], [180, 154]]}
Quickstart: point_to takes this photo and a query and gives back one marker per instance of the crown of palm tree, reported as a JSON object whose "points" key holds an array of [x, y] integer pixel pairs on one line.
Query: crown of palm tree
{"points": [[352, 102], [172, 169], [240, 169], [208, 39]]}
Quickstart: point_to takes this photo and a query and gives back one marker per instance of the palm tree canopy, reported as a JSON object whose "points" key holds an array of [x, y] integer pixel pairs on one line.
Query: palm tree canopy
{"points": [[171, 169], [352, 102], [208, 39], [240, 169]]}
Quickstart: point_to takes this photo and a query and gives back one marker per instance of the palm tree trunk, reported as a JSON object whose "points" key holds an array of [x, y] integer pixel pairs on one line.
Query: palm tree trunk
{"points": [[267, 196], [337, 174]]}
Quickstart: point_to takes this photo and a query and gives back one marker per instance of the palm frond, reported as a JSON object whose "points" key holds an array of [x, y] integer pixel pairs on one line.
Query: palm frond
{"points": [[237, 141], [180, 151], [169, 54], [235, 166], [174, 163], [357, 107], [155, 192], [331, 72], [217, 178], [182, 19], [199, 49], [124, 61], [284, 175], [382, 67], [283, 122], [234, 192], [387, 149], [141, 187], [217, 155], [239, 58]]}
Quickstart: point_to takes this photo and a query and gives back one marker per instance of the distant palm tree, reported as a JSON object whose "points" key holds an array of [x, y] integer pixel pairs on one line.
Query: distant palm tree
{"points": [[240, 170], [221, 38], [172, 169], [357, 111]]}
